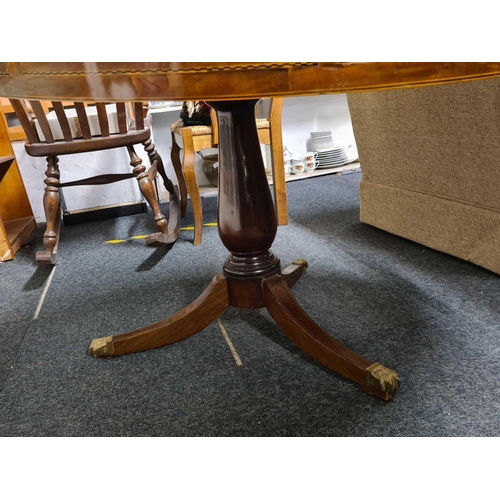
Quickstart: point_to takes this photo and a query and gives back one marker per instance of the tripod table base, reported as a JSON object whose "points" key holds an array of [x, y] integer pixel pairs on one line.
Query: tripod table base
{"points": [[273, 293]]}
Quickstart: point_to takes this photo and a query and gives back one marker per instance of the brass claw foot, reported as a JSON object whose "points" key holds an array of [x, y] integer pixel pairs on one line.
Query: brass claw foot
{"points": [[293, 272], [381, 381], [102, 347], [301, 262]]}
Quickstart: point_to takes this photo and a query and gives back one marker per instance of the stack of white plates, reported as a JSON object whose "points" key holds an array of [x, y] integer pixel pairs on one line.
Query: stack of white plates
{"points": [[334, 157], [329, 155], [322, 140]]}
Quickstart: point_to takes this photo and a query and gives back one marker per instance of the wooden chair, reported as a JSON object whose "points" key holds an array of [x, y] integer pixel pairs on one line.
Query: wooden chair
{"points": [[91, 129], [199, 137]]}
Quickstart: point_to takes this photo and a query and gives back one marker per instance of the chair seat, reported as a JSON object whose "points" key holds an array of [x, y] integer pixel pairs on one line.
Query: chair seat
{"points": [[197, 130]]}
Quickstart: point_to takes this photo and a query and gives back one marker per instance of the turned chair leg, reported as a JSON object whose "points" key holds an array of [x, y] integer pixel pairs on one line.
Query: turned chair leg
{"points": [[148, 189], [174, 222], [194, 192], [52, 208], [175, 157], [150, 149]]}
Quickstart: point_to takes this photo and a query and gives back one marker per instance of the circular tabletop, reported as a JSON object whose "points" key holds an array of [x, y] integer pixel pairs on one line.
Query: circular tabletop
{"points": [[215, 81]]}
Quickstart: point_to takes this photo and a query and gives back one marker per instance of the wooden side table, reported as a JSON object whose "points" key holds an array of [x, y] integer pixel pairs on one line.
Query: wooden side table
{"points": [[17, 221]]}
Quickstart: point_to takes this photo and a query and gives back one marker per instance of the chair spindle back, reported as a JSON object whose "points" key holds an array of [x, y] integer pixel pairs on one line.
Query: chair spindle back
{"points": [[29, 111]]}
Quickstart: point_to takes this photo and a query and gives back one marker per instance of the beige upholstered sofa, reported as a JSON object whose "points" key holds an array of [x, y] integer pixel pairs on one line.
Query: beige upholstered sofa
{"points": [[430, 161]]}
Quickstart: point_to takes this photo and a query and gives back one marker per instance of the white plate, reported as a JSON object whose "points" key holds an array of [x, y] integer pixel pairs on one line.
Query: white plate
{"points": [[329, 160], [321, 133], [338, 162], [333, 148], [334, 160], [323, 150], [330, 152], [331, 155], [332, 164]]}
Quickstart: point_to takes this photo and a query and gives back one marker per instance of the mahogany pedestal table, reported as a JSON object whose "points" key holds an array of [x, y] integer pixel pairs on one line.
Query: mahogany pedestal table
{"points": [[251, 277]]}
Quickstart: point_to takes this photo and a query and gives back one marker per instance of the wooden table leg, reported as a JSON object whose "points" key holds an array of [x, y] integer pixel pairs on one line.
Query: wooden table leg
{"points": [[252, 276], [183, 324], [321, 346]]}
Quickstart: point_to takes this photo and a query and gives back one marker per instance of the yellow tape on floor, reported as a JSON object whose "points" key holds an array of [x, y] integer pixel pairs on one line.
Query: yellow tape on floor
{"points": [[141, 237]]}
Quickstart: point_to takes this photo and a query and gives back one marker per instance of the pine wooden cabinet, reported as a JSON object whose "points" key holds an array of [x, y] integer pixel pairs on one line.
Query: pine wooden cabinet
{"points": [[16, 216]]}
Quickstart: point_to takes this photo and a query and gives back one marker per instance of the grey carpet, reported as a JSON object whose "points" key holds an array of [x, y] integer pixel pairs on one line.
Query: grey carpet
{"points": [[431, 317]]}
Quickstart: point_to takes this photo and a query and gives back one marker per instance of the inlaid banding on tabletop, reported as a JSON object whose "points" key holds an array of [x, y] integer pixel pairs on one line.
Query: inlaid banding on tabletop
{"points": [[31, 69]]}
